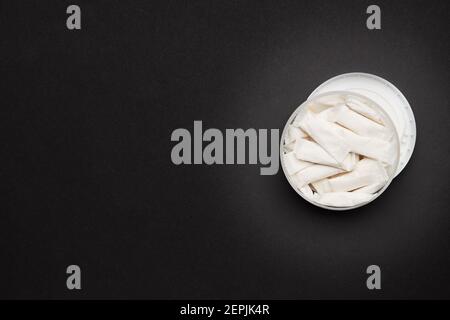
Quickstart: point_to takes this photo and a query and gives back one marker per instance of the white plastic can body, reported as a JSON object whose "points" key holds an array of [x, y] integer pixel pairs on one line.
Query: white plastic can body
{"points": [[382, 96]]}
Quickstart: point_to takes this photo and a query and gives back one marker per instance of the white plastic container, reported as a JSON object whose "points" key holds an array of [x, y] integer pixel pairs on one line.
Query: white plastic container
{"points": [[383, 97]]}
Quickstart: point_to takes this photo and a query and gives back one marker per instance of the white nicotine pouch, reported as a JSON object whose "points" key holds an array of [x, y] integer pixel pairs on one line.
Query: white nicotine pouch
{"points": [[293, 165], [371, 188], [360, 124], [294, 134], [326, 136], [330, 114], [310, 151], [320, 105], [363, 109], [306, 190], [289, 147], [322, 186], [330, 100], [314, 173], [370, 147], [366, 172], [350, 161], [355, 122]]}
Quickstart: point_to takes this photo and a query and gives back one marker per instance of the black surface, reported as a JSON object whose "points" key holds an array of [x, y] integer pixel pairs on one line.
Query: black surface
{"points": [[86, 176]]}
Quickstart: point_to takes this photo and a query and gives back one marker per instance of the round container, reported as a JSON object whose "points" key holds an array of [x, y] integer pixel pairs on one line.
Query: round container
{"points": [[386, 100]]}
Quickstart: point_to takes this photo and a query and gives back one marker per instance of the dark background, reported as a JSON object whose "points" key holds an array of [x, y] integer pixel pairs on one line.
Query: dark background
{"points": [[86, 176]]}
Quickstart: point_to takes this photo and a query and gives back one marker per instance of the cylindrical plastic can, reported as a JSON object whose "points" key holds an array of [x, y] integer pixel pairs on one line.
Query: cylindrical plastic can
{"points": [[388, 102]]}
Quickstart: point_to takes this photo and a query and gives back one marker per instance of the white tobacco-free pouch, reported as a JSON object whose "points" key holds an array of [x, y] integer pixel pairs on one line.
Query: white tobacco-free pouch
{"points": [[375, 148], [326, 136], [314, 173], [363, 109], [366, 172], [355, 122], [310, 151], [294, 134], [293, 165]]}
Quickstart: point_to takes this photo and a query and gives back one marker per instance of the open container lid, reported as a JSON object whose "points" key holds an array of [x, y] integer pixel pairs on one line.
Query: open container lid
{"points": [[387, 96]]}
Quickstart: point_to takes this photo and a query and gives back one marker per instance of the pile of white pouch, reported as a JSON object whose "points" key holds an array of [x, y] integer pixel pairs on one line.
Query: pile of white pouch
{"points": [[340, 150]]}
